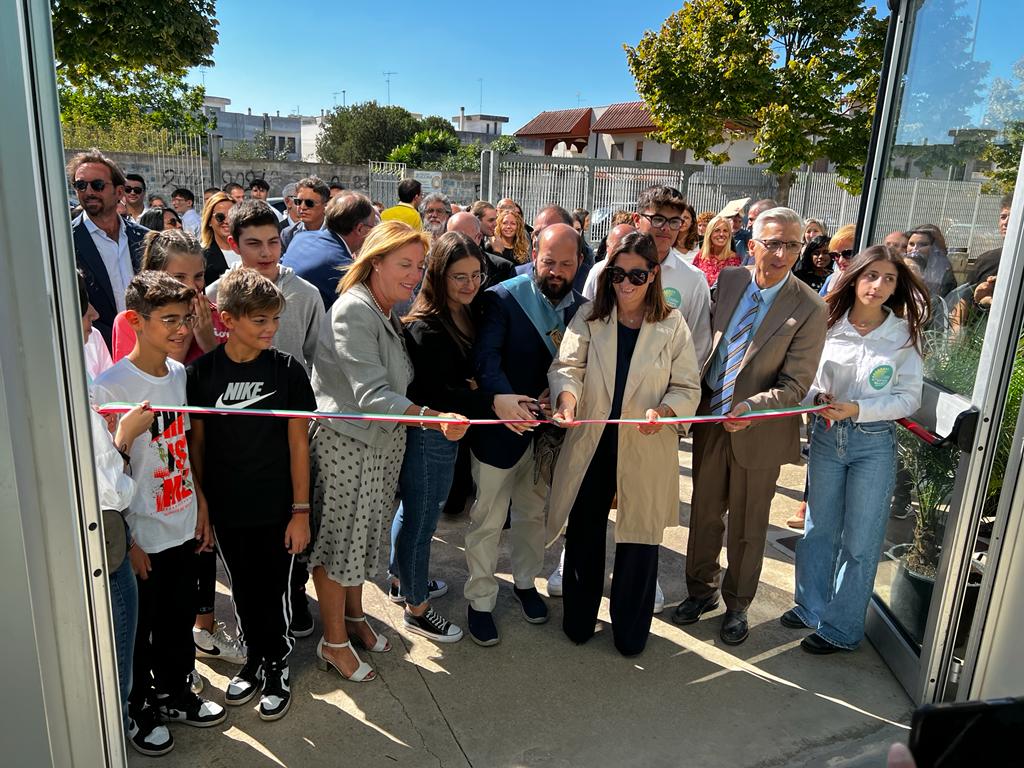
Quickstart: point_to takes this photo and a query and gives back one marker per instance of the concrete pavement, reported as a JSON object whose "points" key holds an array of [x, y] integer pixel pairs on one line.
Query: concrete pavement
{"points": [[538, 701]]}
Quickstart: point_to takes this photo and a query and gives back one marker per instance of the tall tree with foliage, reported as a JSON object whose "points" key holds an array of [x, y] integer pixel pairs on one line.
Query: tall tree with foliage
{"points": [[797, 77], [1005, 114], [362, 132]]}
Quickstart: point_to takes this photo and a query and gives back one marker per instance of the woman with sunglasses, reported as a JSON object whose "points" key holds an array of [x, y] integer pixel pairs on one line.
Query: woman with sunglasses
{"points": [[439, 334], [870, 374], [159, 219], [840, 248], [626, 355], [214, 231], [815, 263], [716, 253]]}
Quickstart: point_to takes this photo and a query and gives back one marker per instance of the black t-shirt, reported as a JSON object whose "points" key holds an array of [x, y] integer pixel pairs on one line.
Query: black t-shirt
{"points": [[247, 463]]}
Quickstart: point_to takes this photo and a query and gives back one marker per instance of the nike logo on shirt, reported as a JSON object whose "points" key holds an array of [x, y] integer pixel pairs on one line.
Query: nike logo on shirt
{"points": [[242, 394]]}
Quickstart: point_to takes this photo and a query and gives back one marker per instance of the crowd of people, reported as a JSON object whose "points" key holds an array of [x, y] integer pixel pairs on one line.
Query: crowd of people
{"points": [[434, 316]]}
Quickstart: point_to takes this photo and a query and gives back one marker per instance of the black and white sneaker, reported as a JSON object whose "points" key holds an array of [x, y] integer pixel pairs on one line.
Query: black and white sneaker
{"points": [[433, 625], [302, 619], [277, 696], [148, 736], [191, 710], [246, 684], [435, 589]]}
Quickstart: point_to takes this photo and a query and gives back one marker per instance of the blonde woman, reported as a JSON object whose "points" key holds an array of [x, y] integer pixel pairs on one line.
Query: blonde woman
{"points": [[814, 228], [214, 231], [716, 253], [361, 366], [840, 248], [510, 240]]}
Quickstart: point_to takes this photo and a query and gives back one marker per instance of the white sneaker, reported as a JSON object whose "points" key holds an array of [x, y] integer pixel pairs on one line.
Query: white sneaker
{"points": [[659, 598], [555, 579], [218, 644]]}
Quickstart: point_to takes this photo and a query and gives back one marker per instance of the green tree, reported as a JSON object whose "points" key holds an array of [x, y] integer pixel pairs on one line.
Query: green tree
{"points": [[437, 123], [101, 39], [1006, 115], [797, 77], [363, 132], [505, 145], [425, 147]]}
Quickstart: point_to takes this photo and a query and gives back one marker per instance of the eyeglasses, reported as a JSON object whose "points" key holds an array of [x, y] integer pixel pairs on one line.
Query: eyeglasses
{"points": [[774, 246], [658, 221], [220, 217], [173, 323], [462, 279], [305, 201], [847, 254], [98, 185], [134, 190], [636, 276]]}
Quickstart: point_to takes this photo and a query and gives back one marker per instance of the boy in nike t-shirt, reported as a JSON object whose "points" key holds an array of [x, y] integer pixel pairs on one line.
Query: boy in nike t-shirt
{"points": [[255, 474]]}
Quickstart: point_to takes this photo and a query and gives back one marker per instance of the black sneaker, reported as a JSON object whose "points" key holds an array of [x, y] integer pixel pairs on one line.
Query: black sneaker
{"points": [[302, 619], [433, 625], [482, 628], [246, 684], [191, 710], [535, 610], [147, 735], [277, 696], [435, 589]]}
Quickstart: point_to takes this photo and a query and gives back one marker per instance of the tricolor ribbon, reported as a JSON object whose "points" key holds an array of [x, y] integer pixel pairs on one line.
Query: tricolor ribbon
{"points": [[776, 413]]}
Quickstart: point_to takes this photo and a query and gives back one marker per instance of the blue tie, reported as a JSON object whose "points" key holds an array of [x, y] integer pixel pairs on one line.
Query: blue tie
{"points": [[721, 398]]}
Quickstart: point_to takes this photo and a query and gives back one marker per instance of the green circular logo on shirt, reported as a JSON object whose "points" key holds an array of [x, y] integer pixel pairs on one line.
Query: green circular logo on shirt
{"points": [[880, 376], [673, 298]]}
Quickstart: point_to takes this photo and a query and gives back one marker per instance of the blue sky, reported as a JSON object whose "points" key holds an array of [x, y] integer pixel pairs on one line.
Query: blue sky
{"points": [[531, 55]]}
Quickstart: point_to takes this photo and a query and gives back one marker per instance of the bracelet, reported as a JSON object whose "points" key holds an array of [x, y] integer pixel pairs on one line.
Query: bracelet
{"points": [[423, 410], [300, 511]]}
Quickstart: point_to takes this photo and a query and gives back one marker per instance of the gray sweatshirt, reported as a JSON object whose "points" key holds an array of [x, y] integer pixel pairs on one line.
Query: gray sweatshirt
{"points": [[300, 321]]}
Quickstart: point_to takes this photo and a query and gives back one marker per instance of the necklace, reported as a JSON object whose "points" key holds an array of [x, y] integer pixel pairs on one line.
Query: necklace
{"points": [[631, 322], [376, 303], [865, 326]]}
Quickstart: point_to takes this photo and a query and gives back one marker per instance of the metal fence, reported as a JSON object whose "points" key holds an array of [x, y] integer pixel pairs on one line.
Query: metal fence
{"points": [[958, 208], [383, 181], [169, 158]]}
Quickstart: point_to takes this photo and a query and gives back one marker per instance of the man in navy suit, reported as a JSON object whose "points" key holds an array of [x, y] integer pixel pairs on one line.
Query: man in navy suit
{"points": [[555, 214], [522, 321], [107, 248], [319, 257]]}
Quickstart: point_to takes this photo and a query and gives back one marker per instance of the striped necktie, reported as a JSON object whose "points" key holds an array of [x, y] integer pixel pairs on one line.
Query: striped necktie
{"points": [[721, 398]]}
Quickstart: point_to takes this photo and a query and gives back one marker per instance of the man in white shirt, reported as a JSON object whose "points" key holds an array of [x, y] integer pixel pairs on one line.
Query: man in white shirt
{"points": [[183, 202], [107, 248], [659, 215]]}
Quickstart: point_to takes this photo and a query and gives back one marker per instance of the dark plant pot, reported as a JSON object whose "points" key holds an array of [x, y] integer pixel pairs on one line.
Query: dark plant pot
{"points": [[910, 597]]}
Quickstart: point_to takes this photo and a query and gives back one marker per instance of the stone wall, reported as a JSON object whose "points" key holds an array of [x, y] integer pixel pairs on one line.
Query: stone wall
{"points": [[165, 173]]}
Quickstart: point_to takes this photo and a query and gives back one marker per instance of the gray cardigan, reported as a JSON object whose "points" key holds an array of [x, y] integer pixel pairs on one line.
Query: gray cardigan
{"points": [[361, 366]]}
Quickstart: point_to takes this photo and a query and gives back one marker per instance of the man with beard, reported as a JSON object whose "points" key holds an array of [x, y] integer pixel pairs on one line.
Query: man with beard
{"points": [[107, 248], [521, 326], [435, 209]]}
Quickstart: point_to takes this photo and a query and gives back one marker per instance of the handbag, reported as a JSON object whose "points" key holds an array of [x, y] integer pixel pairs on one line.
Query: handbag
{"points": [[115, 538], [546, 447]]}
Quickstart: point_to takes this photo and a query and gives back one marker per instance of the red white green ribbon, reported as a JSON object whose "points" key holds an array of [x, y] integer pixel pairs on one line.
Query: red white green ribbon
{"points": [[776, 413]]}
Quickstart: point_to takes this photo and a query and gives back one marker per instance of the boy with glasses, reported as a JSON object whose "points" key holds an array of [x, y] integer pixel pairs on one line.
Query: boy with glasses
{"points": [[167, 515], [134, 196]]}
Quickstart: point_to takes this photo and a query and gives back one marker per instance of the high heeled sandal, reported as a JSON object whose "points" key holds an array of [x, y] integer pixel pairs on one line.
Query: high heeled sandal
{"points": [[381, 645], [364, 672]]}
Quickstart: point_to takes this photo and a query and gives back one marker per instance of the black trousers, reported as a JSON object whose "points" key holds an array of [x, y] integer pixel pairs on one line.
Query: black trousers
{"points": [[164, 653], [634, 576], [206, 591], [259, 572]]}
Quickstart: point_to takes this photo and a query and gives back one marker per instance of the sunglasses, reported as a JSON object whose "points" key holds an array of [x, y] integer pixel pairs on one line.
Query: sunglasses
{"points": [[305, 201], [220, 217], [847, 254], [134, 190], [636, 276], [98, 185]]}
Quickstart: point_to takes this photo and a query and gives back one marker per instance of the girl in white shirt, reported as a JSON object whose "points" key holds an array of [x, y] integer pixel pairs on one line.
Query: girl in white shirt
{"points": [[870, 375]]}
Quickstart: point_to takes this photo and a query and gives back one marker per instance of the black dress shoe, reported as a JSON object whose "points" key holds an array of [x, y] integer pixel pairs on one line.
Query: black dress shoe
{"points": [[791, 620], [819, 646], [482, 629], [691, 609], [734, 627], [535, 610]]}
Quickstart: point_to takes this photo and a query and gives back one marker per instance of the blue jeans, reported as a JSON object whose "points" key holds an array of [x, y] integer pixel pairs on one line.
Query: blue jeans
{"points": [[124, 605], [851, 474], [426, 478]]}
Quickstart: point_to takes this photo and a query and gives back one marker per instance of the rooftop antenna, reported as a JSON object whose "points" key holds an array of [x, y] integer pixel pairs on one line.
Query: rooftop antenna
{"points": [[481, 81], [387, 79], [579, 98]]}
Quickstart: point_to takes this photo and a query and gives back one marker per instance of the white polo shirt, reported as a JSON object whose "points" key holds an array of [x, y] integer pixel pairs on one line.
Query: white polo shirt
{"points": [[116, 258], [686, 289]]}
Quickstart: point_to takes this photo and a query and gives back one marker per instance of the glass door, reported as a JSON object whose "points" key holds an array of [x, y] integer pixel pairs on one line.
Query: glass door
{"points": [[941, 188]]}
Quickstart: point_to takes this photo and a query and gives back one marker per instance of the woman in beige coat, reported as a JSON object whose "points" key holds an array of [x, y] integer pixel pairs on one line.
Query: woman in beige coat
{"points": [[626, 355]]}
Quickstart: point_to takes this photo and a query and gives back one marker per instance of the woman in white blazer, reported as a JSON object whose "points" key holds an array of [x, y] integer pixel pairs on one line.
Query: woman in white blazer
{"points": [[625, 355]]}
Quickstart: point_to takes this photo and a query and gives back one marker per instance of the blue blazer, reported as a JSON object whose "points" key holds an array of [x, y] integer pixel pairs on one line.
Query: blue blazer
{"points": [[97, 282], [509, 358], [316, 257]]}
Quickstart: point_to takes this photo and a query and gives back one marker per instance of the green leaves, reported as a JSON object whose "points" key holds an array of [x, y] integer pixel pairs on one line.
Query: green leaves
{"points": [[363, 132], [797, 77]]}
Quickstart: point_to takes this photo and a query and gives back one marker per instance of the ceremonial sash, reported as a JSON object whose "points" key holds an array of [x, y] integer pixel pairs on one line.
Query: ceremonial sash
{"points": [[544, 317]]}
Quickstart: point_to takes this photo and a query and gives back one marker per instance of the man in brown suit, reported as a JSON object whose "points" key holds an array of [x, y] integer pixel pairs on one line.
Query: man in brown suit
{"points": [[768, 332]]}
